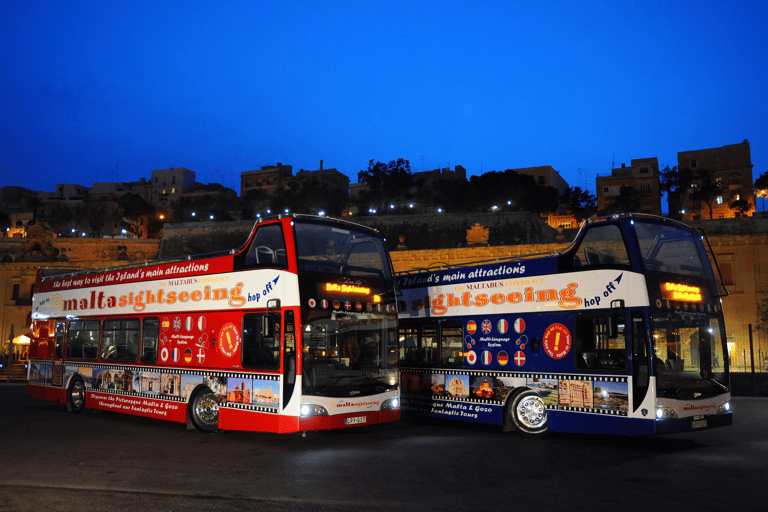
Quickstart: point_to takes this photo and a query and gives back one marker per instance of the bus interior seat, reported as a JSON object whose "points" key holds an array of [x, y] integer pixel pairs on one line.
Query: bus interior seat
{"points": [[591, 255], [607, 257], [592, 361]]}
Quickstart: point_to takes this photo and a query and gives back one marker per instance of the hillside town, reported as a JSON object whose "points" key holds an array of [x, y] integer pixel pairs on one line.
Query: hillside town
{"points": [[436, 217]]}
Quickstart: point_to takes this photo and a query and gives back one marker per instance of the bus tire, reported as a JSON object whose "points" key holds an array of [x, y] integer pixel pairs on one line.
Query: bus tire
{"points": [[204, 410], [528, 413], [76, 395]]}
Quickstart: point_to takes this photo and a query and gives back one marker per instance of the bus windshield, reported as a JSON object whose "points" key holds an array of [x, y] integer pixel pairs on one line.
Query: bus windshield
{"points": [[347, 354], [667, 248], [688, 348]]}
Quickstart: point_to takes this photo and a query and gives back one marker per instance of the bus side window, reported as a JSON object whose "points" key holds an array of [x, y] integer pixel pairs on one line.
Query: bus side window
{"points": [[261, 349], [120, 340], [451, 344], [267, 248], [83, 338], [594, 349], [419, 345], [150, 332]]}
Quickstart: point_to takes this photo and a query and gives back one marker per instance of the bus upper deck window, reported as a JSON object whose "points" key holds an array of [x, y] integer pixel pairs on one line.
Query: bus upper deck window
{"points": [[268, 247], [602, 245]]}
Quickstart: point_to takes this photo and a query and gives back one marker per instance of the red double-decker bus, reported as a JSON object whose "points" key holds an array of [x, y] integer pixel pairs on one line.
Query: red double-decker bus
{"points": [[294, 331]]}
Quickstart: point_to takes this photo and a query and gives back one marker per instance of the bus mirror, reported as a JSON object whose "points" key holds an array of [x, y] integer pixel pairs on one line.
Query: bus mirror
{"points": [[617, 310], [273, 304]]}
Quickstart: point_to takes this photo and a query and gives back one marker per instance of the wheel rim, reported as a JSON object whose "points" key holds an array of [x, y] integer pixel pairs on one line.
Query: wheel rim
{"points": [[77, 395], [207, 410], [532, 413]]}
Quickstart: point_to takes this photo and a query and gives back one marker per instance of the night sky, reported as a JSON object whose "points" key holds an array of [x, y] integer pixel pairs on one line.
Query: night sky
{"points": [[109, 91]]}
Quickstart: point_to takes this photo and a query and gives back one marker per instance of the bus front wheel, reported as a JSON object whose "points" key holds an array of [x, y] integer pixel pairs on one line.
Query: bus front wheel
{"points": [[528, 413], [204, 411], [76, 395]]}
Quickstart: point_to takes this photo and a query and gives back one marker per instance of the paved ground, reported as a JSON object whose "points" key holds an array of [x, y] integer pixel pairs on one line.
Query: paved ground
{"points": [[54, 460]]}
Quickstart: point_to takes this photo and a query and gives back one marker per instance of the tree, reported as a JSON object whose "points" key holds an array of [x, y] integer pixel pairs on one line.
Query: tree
{"points": [[761, 186], [579, 203], [386, 182], [135, 211], [676, 184], [742, 206], [253, 201], [707, 189]]}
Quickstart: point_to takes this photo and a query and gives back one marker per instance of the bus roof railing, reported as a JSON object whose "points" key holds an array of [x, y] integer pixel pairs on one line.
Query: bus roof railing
{"points": [[79, 271], [582, 227]]}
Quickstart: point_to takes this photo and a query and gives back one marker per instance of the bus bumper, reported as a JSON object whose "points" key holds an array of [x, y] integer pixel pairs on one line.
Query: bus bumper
{"points": [[693, 423]]}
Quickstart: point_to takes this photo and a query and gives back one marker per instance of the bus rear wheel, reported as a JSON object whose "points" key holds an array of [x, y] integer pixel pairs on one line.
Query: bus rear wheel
{"points": [[528, 413], [76, 395], [204, 411]]}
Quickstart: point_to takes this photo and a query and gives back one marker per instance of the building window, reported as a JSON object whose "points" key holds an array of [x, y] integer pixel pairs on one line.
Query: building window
{"points": [[173, 190], [605, 190], [726, 271], [645, 188], [719, 199], [643, 170], [693, 164], [542, 180], [16, 291]]}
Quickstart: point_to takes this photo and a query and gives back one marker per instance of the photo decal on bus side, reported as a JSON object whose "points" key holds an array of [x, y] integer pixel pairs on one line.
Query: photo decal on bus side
{"points": [[480, 396], [160, 393]]}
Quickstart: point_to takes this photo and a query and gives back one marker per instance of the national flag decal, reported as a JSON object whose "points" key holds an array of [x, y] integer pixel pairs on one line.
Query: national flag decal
{"points": [[502, 326]]}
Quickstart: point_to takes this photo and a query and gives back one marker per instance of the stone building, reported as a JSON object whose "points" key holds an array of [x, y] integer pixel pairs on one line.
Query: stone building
{"points": [[642, 175], [731, 167]]}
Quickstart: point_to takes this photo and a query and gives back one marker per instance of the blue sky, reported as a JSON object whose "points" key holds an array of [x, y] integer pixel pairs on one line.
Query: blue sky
{"points": [[109, 91]]}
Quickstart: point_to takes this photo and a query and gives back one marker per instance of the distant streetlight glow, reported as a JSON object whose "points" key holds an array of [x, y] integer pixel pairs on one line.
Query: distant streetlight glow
{"points": [[193, 214], [211, 217]]}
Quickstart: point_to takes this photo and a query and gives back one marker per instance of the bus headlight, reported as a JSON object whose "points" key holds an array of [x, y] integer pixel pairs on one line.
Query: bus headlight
{"points": [[312, 410], [390, 404], [724, 407], [665, 413]]}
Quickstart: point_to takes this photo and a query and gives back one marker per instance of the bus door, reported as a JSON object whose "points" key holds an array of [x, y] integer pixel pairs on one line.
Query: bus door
{"points": [[639, 343], [289, 358], [263, 340]]}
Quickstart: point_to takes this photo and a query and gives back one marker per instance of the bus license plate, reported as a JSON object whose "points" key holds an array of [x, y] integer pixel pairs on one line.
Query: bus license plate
{"points": [[355, 421], [698, 423]]}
